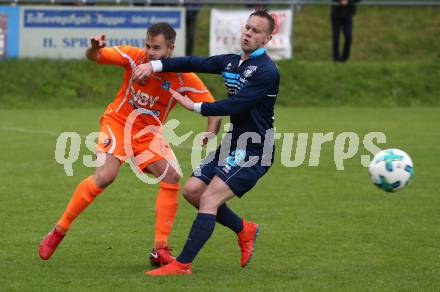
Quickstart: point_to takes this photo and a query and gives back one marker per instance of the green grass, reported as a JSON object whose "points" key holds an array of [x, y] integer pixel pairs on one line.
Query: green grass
{"points": [[323, 229]]}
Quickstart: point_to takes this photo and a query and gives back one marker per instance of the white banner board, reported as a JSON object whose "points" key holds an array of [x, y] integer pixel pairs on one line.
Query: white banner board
{"points": [[64, 32], [227, 26], [3, 35]]}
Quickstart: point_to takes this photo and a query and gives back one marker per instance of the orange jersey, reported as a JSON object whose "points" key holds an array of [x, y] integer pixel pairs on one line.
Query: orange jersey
{"points": [[151, 98]]}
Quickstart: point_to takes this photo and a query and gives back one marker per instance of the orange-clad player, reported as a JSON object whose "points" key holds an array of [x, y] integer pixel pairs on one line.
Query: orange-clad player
{"points": [[130, 128]]}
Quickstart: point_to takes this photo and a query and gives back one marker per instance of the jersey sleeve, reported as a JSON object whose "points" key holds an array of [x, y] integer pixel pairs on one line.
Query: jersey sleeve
{"points": [[119, 55], [211, 65], [195, 89]]}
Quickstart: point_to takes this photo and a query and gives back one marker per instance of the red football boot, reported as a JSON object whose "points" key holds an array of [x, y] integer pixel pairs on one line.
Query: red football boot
{"points": [[50, 243], [246, 241], [161, 256], [173, 268]]}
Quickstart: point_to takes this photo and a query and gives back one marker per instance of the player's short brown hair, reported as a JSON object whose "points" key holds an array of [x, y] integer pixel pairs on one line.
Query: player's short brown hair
{"points": [[262, 12], [163, 28]]}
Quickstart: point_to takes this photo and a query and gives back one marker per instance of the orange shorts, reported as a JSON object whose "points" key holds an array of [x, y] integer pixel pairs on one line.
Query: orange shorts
{"points": [[143, 148]]}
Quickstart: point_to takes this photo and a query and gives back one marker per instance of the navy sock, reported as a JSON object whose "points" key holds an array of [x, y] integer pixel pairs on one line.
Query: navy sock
{"points": [[228, 218], [201, 230]]}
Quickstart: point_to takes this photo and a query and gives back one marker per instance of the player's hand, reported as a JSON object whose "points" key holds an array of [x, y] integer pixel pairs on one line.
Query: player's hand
{"points": [[206, 137], [142, 72], [183, 100], [98, 42]]}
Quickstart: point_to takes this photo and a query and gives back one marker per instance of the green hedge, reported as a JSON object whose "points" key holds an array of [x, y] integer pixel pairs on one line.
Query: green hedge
{"points": [[45, 83]]}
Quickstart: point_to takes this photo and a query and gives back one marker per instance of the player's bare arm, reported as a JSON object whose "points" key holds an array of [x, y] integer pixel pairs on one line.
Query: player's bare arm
{"points": [[96, 43], [212, 129], [213, 122], [184, 100]]}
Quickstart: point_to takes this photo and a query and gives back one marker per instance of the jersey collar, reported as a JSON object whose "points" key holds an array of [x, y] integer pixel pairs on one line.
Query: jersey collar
{"points": [[258, 52]]}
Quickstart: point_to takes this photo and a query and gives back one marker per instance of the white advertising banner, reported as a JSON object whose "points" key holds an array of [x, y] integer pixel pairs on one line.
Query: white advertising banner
{"points": [[64, 32], [227, 25], [3, 35]]}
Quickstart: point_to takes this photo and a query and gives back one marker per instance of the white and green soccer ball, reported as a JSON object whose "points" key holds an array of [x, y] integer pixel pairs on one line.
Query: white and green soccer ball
{"points": [[391, 170]]}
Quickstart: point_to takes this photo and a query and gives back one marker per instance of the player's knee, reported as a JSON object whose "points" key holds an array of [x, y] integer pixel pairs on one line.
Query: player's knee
{"points": [[171, 177], [190, 190], [191, 198]]}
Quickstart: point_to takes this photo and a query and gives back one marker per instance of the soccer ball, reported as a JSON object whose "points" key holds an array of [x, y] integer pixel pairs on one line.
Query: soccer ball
{"points": [[391, 170]]}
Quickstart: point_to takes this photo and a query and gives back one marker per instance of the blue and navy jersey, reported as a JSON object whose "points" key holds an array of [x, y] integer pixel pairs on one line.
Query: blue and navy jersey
{"points": [[252, 87]]}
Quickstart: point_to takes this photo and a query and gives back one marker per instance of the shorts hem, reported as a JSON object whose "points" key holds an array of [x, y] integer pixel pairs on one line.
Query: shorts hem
{"points": [[225, 179], [203, 178]]}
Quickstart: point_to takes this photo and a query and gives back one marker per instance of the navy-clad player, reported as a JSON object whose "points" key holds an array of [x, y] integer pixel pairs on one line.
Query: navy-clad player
{"points": [[252, 80]]}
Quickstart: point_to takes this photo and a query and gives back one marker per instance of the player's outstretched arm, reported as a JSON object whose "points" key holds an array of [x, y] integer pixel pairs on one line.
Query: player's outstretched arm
{"points": [[214, 122], [96, 43], [257, 89], [184, 100], [212, 65]]}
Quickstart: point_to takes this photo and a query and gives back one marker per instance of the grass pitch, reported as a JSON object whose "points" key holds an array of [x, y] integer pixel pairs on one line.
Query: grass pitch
{"points": [[322, 229]]}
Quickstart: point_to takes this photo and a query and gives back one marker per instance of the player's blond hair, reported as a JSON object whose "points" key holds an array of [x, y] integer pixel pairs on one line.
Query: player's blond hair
{"points": [[264, 13]]}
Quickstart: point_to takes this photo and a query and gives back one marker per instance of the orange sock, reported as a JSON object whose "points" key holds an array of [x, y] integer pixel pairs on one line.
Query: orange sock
{"points": [[166, 208], [83, 196]]}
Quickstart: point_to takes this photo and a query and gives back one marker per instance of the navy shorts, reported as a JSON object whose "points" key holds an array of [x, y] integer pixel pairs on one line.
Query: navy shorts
{"points": [[240, 170]]}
